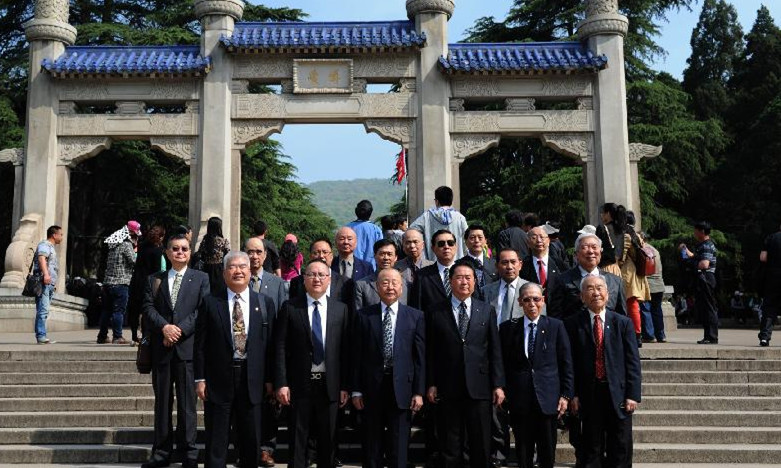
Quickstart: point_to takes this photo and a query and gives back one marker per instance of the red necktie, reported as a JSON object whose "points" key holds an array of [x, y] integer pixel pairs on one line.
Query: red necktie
{"points": [[543, 276], [598, 339]]}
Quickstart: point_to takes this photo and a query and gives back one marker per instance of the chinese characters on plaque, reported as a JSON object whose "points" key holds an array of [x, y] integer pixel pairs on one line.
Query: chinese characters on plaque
{"points": [[322, 76]]}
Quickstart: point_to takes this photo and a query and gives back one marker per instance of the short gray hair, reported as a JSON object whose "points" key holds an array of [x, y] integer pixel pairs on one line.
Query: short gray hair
{"points": [[233, 254], [526, 286], [585, 236], [600, 277]]}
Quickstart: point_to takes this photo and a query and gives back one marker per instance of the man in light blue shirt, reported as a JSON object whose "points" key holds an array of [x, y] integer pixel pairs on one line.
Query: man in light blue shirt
{"points": [[367, 232]]}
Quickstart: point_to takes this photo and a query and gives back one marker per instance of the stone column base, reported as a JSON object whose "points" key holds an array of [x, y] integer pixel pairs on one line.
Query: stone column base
{"points": [[17, 313], [668, 311]]}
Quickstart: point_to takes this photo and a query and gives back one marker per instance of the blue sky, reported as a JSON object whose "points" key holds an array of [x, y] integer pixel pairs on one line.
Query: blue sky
{"points": [[338, 152]]}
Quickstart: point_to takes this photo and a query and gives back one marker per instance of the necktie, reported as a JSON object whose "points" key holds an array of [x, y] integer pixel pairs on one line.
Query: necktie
{"points": [[507, 303], [239, 330], [599, 341], [532, 341], [387, 339], [448, 287], [318, 350], [175, 288], [543, 274], [254, 283], [463, 320]]}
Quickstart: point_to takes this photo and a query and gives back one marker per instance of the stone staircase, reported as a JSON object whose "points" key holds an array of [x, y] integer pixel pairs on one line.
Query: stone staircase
{"points": [[712, 405]]}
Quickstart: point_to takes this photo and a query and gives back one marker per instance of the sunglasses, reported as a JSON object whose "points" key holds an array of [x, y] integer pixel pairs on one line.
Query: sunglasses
{"points": [[177, 249], [536, 299], [450, 243]]}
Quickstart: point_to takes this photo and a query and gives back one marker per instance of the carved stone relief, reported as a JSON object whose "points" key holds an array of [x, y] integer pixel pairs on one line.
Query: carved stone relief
{"points": [[183, 148], [67, 107], [52, 9], [233, 8], [564, 120], [73, 150], [480, 86], [130, 90], [638, 151], [399, 131], [384, 66], [466, 145], [360, 85], [240, 86], [407, 85], [284, 106], [287, 86], [519, 104], [20, 253], [259, 66], [601, 7], [415, 7], [13, 155], [457, 105], [246, 132], [585, 103], [130, 107], [520, 122], [135, 125], [576, 145]]}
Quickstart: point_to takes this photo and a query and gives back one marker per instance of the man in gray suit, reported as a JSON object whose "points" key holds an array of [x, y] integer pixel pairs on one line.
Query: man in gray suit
{"points": [[475, 247], [504, 295], [414, 246], [385, 256], [271, 285]]}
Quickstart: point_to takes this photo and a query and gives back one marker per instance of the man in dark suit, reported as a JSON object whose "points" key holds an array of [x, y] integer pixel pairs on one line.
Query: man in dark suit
{"points": [[607, 377], [347, 264], [389, 380], [432, 283], [365, 291], [232, 354], [171, 302], [465, 369], [340, 289], [514, 237], [312, 365], [564, 293], [414, 247], [540, 267], [538, 370], [475, 241]]}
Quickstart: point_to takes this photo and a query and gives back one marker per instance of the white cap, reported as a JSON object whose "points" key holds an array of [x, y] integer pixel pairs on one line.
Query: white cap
{"points": [[588, 229]]}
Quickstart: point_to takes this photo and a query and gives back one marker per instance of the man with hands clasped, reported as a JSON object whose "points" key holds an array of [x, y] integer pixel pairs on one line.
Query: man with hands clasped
{"points": [[465, 373], [389, 370], [538, 370]]}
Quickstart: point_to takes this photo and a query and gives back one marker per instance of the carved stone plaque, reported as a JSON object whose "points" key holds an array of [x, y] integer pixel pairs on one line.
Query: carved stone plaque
{"points": [[320, 76]]}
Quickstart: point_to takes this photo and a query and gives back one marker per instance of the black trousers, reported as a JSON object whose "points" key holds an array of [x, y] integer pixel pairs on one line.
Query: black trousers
{"points": [[383, 412], [705, 302], [769, 314], [500, 434], [475, 415], [270, 414], [534, 430], [607, 440], [165, 376], [312, 410], [246, 417]]}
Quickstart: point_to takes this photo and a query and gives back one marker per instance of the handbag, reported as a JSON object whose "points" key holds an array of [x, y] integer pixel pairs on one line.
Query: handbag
{"points": [[144, 352], [33, 285]]}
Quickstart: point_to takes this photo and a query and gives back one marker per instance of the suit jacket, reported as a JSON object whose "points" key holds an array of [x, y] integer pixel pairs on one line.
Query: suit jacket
{"points": [[409, 354], [492, 297], [564, 294], [159, 312], [408, 270], [470, 368], [427, 289], [293, 345], [360, 268], [622, 359], [514, 238], [529, 273], [214, 347], [365, 293], [272, 286], [549, 377]]}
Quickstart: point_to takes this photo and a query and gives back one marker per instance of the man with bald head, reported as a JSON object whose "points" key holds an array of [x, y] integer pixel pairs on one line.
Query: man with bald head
{"points": [[539, 266], [347, 264], [262, 281], [607, 377], [389, 380], [414, 247]]}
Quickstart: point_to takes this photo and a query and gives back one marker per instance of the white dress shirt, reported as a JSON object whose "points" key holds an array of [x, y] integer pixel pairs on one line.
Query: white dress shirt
{"points": [[602, 314], [479, 258], [441, 269], [244, 302], [322, 307], [172, 276], [526, 331], [455, 303], [584, 273], [536, 261]]}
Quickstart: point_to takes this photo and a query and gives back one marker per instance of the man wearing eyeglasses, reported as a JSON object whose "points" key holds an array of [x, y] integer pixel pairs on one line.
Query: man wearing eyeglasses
{"points": [[171, 302], [322, 249], [312, 365], [539, 266], [538, 370]]}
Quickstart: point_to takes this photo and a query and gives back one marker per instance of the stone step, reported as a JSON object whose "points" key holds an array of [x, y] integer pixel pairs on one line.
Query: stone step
{"points": [[145, 403], [101, 353], [713, 403], [650, 365], [710, 352], [710, 455], [69, 378], [80, 419], [711, 377], [691, 389], [62, 391], [708, 418], [112, 367], [703, 435]]}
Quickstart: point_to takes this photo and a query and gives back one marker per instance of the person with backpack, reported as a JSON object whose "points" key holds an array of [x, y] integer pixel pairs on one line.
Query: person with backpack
{"points": [[635, 282]]}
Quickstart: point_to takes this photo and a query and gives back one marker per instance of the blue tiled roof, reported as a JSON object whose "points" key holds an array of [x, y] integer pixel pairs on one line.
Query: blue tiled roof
{"points": [[521, 58], [339, 36], [137, 60]]}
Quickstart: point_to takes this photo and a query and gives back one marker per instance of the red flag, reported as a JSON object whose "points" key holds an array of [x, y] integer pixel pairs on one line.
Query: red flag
{"points": [[401, 166]]}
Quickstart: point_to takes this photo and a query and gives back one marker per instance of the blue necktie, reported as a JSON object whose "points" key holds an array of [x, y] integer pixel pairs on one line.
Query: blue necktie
{"points": [[532, 341], [318, 350]]}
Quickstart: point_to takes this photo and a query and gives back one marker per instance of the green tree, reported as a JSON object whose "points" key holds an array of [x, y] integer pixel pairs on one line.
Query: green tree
{"points": [[717, 43]]}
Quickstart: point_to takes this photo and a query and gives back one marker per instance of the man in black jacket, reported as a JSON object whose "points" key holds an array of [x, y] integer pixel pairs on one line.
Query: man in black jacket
{"points": [[171, 302]]}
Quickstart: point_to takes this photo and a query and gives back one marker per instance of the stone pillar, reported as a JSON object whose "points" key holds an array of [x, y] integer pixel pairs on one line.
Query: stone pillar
{"points": [[48, 33], [214, 178], [455, 182], [431, 162], [637, 152], [62, 210], [603, 31], [16, 157]]}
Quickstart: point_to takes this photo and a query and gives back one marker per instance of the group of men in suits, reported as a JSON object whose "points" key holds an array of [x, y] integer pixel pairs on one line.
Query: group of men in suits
{"points": [[395, 342]]}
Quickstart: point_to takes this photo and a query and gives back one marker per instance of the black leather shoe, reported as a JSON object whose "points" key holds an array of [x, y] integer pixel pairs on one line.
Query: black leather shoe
{"points": [[156, 464], [707, 341], [190, 464], [764, 343], [338, 462]]}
